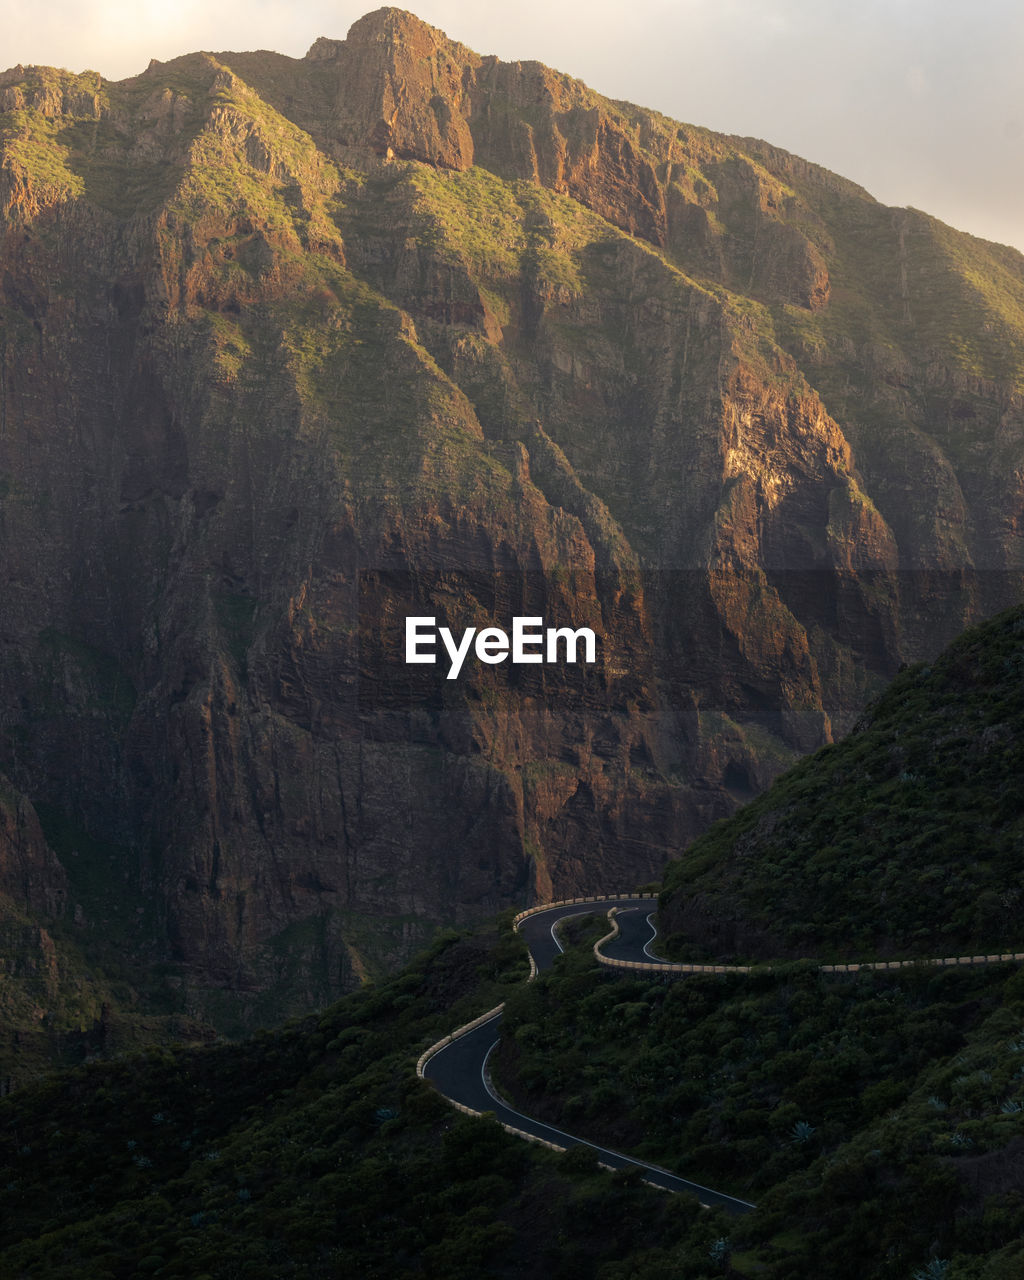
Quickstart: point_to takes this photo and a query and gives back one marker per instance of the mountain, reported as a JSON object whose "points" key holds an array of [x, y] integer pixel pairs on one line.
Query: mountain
{"points": [[291, 349]]}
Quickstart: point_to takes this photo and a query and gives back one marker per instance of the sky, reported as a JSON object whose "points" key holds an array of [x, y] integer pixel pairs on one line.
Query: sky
{"points": [[918, 100]]}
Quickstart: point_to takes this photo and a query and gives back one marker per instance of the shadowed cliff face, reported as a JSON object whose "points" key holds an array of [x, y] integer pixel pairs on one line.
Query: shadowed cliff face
{"points": [[294, 348]]}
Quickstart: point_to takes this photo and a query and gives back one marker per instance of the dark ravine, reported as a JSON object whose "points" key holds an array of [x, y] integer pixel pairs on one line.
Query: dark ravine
{"points": [[291, 347]]}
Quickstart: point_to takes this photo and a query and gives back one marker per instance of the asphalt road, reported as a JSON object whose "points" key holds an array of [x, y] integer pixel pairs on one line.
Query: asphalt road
{"points": [[636, 935], [458, 1070], [539, 931]]}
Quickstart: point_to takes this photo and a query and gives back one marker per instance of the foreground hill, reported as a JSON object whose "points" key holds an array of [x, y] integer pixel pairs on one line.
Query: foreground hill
{"points": [[875, 1119], [292, 348], [314, 1151], [904, 839]]}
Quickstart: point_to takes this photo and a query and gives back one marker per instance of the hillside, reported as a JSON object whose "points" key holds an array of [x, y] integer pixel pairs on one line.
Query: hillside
{"points": [[292, 348], [312, 1150], [874, 1119], [904, 839]]}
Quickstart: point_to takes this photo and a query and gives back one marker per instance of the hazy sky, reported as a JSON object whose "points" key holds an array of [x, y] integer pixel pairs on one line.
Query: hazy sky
{"points": [[918, 100]]}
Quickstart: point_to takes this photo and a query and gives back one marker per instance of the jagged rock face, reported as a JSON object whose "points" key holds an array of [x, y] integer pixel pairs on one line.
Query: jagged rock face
{"points": [[30, 874], [294, 348]]}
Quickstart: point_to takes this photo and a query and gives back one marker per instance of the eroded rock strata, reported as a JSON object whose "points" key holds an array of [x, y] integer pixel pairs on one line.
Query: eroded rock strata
{"points": [[292, 348]]}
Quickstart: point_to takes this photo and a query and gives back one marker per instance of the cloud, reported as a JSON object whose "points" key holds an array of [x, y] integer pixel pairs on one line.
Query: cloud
{"points": [[918, 100]]}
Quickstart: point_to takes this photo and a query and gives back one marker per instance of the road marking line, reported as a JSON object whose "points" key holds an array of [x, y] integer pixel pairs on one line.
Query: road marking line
{"points": [[562, 920], [585, 1142], [654, 934]]}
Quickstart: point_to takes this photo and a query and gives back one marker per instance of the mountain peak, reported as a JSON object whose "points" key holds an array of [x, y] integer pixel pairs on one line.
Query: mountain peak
{"points": [[389, 23], [405, 88], [390, 28]]}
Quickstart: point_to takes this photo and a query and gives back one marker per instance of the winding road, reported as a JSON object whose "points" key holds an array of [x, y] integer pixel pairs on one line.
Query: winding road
{"points": [[457, 1066]]}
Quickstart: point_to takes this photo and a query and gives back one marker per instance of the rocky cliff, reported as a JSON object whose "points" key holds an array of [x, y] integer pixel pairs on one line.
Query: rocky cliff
{"points": [[290, 349]]}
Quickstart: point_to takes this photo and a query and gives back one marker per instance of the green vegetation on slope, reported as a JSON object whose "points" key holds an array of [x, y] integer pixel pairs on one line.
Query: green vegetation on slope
{"points": [[314, 1151], [903, 839], [877, 1121]]}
